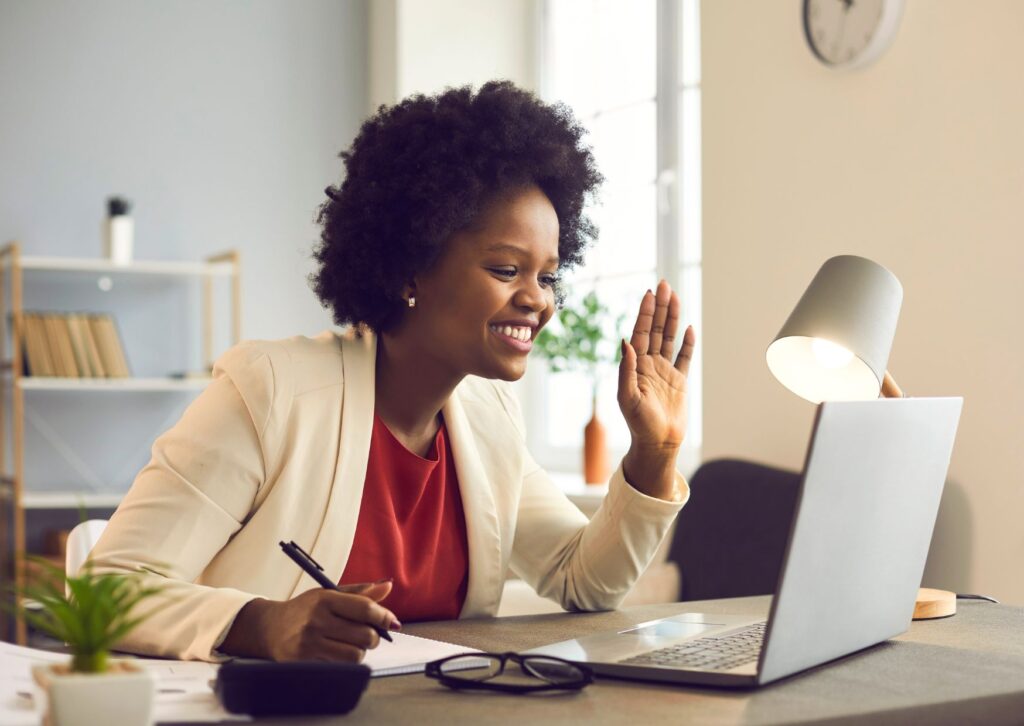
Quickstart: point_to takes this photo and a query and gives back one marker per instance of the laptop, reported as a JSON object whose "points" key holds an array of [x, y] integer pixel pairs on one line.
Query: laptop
{"points": [[868, 498]]}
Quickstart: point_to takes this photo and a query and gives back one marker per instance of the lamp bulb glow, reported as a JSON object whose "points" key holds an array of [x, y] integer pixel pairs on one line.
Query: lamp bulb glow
{"points": [[829, 354]]}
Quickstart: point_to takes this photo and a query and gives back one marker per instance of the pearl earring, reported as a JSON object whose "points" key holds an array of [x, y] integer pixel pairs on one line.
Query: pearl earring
{"points": [[412, 301]]}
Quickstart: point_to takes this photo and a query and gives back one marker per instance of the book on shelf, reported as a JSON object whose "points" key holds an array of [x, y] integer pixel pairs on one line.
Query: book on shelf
{"points": [[37, 354], [90, 352], [72, 345], [60, 346], [78, 346], [108, 342]]}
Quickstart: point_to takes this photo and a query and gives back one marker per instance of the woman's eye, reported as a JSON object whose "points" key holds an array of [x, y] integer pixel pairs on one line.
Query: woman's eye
{"points": [[509, 272]]}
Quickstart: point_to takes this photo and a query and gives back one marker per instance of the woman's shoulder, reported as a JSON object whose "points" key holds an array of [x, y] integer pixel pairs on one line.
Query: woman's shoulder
{"points": [[272, 376], [295, 364]]}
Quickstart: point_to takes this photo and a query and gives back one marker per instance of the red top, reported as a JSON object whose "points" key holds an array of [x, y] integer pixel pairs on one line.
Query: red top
{"points": [[411, 527]]}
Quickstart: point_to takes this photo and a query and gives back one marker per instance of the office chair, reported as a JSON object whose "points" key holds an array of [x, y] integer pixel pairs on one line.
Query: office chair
{"points": [[81, 540], [731, 536]]}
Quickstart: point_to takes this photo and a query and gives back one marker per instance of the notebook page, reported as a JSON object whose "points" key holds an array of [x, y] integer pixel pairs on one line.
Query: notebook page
{"points": [[408, 654]]}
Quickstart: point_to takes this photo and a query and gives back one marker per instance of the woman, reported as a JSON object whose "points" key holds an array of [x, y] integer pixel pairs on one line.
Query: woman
{"points": [[394, 453]]}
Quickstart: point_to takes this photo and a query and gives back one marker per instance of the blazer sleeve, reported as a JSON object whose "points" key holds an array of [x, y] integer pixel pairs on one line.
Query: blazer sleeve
{"points": [[198, 488], [585, 565]]}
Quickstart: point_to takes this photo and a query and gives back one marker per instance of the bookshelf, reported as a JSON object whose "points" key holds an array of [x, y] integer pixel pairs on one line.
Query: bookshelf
{"points": [[111, 384], [16, 494]]}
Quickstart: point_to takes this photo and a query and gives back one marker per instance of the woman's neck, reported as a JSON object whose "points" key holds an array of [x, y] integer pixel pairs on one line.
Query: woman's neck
{"points": [[410, 391]]}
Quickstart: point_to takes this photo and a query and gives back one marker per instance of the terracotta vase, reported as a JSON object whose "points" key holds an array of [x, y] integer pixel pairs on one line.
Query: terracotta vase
{"points": [[595, 449]]}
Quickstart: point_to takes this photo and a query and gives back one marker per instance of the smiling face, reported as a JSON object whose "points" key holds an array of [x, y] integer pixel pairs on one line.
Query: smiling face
{"points": [[483, 303]]}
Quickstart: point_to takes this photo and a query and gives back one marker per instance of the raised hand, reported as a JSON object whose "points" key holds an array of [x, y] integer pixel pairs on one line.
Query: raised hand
{"points": [[652, 391]]}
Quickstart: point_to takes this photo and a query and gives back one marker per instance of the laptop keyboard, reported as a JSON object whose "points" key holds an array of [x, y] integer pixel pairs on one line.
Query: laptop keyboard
{"points": [[713, 653]]}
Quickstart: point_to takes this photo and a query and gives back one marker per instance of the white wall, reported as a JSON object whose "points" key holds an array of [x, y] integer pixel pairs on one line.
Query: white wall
{"points": [[916, 162], [221, 120], [422, 47]]}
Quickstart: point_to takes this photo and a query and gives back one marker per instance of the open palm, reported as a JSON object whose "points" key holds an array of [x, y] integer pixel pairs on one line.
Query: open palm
{"points": [[652, 385]]}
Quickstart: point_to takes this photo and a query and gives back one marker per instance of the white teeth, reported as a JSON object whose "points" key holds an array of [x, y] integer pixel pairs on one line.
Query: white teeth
{"points": [[522, 334]]}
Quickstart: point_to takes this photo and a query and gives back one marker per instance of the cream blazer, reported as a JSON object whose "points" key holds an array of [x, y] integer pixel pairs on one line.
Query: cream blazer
{"points": [[276, 449]]}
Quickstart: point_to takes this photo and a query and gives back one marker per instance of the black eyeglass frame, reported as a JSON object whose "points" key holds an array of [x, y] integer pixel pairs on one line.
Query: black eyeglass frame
{"points": [[433, 670]]}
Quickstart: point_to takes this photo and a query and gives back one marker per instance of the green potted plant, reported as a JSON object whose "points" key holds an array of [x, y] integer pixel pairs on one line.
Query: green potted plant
{"points": [[90, 612], [578, 340]]}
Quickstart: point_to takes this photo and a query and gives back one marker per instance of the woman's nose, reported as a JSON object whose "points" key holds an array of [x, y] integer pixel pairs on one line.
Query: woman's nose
{"points": [[531, 296]]}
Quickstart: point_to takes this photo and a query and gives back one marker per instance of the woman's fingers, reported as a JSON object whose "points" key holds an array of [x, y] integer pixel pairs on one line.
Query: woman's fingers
{"points": [[345, 631], [330, 649], [668, 338], [890, 389], [361, 609], [657, 322], [641, 337], [627, 374], [376, 591], [686, 351], [662, 298]]}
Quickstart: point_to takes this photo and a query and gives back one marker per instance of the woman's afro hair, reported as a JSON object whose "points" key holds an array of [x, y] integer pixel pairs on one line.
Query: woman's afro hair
{"points": [[421, 170]]}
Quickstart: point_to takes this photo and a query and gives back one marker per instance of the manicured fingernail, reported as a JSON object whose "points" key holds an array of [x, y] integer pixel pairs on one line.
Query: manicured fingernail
{"points": [[383, 580], [394, 625]]}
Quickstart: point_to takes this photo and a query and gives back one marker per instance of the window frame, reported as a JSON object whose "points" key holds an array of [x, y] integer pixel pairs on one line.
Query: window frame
{"points": [[676, 256]]}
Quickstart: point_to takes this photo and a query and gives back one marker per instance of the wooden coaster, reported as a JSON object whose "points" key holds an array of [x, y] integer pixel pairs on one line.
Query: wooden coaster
{"points": [[934, 604]]}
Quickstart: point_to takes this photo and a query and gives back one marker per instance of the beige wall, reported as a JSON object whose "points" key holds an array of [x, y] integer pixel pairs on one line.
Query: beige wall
{"points": [[916, 162]]}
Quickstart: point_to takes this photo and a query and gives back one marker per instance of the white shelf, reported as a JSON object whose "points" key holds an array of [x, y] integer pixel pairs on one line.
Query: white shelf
{"points": [[143, 267], [112, 384], [69, 500]]}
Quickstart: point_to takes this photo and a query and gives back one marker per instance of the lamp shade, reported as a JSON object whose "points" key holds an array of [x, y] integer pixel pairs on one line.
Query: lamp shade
{"points": [[835, 345]]}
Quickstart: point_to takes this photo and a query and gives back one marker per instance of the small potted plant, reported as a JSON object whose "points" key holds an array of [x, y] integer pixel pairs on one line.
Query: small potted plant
{"points": [[90, 612], [578, 341]]}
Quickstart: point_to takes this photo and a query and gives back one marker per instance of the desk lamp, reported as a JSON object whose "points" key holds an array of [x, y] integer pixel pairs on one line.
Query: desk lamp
{"points": [[835, 347]]}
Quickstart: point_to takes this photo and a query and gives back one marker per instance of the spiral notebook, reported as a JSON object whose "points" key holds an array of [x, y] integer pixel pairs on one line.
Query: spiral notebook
{"points": [[408, 654]]}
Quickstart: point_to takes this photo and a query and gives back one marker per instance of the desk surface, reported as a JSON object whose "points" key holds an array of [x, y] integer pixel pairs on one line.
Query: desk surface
{"points": [[969, 667]]}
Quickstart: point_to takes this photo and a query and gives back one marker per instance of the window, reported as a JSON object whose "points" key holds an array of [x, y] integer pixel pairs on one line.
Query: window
{"points": [[630, 71]]}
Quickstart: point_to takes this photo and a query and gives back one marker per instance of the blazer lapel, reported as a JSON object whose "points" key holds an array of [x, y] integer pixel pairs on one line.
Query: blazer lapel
{"points": [[338, 529], [482, 530]]}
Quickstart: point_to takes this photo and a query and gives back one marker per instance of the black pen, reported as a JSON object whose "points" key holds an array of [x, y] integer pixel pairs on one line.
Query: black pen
{"points": [[304, 560]]}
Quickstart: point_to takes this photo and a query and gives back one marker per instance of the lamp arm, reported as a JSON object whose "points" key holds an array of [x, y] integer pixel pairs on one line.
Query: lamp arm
{"points": [[889, 387]]}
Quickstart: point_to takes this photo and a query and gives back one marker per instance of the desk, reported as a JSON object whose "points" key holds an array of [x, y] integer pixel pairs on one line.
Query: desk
{"points": [[968, 668]]}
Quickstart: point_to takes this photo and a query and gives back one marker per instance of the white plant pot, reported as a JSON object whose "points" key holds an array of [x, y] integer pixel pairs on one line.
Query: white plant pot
{"points": [[123, 695]]}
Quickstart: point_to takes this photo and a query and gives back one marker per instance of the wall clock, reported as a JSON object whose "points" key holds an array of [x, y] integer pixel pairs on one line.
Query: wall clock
{"points": [[850, 33]]}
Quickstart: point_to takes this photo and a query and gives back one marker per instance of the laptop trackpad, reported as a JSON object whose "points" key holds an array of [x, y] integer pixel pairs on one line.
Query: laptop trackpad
{"points": [[670, 629]]}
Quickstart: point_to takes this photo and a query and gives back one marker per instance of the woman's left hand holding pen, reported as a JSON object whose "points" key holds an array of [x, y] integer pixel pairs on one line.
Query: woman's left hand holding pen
{"points": [[319, 624]]}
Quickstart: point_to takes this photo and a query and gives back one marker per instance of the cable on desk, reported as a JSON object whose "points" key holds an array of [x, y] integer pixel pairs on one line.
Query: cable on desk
{"points": [[968, 596]]}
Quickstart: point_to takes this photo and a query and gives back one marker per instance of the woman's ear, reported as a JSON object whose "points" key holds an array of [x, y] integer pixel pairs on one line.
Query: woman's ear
{"points": [[409, 294]]}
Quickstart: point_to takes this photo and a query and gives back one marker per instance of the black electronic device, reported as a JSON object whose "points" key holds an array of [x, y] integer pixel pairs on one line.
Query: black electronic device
{"points": [[263, 688]]}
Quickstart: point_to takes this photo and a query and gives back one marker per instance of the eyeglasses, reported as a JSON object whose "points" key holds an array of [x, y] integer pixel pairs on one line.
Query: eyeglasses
{"points": [[478, 671]]}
